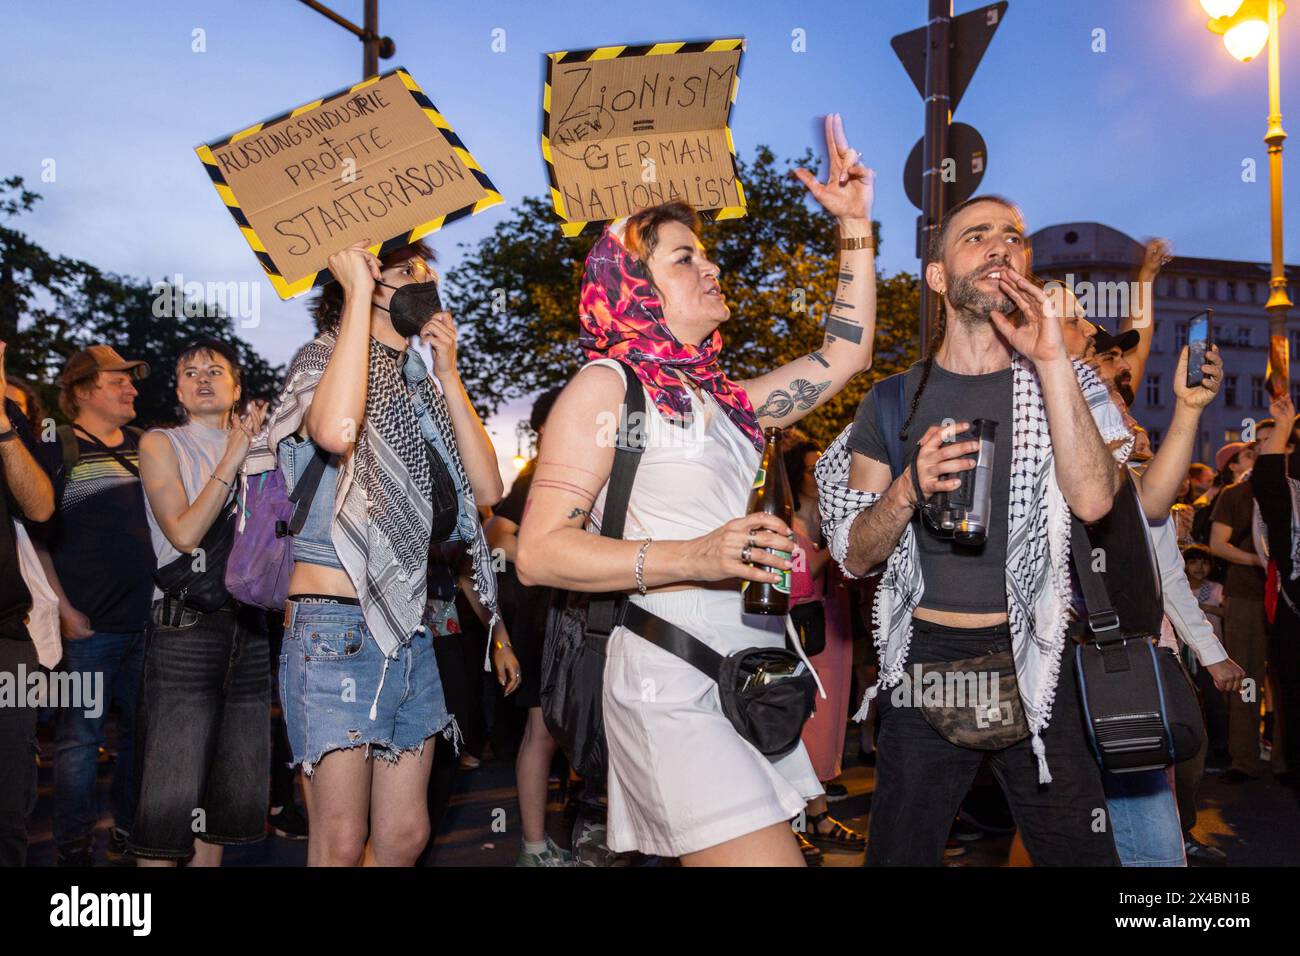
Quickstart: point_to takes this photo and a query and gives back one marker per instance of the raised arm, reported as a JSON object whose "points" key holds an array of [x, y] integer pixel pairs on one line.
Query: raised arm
{"points": [[333, 420], [786, 394], [1085, 469], [574, 464], [1142, 307], [476, 451], [184, 522], [1158, 485]]}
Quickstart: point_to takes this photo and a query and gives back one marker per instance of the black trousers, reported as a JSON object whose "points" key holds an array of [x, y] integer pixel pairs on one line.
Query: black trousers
{"points": [[1284, 670], [921, 778], [17, 753]]}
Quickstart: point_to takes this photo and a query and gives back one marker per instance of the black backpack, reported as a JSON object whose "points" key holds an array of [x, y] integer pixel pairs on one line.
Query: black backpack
{"points": [[578, 625]]}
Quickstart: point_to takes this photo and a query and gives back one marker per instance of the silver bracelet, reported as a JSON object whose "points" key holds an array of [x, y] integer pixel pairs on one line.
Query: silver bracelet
{"points": [[217, 477], [640, 565]]}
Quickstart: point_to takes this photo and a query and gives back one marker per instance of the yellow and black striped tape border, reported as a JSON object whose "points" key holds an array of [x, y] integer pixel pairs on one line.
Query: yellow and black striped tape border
{"points": [[288, 290], [590, 227]]}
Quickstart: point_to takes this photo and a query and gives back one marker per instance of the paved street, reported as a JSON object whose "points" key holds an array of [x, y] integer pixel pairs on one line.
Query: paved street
{"points": [[1256, 824]]}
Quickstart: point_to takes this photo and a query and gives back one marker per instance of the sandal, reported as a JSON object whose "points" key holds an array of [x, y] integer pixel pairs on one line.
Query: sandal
{"points": [[839, 838], [811, 855]]}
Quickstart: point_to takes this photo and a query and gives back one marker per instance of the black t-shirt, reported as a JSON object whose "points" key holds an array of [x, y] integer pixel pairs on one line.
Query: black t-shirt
{"points": [[99, 538], [957, 578], [1272, 492], [15, 598]]}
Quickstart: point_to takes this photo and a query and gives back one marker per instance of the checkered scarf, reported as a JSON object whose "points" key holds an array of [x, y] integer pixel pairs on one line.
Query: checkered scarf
{"points": [[383, 512], [1038, 548]]}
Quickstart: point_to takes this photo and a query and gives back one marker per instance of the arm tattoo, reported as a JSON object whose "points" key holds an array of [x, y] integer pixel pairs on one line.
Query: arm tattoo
{"points": [[802, 394], [846, 276], [577, 512], [839, 326], [819, 359], [561, 464], [563, 486]]}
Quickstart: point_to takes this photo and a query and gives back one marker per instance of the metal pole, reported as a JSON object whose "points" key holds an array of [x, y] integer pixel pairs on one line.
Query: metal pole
{"points": [[938, 115], [370, 41], [1278, 301]]}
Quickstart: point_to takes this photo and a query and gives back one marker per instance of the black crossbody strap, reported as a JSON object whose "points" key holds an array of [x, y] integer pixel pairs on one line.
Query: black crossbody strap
{"points": [[631, 441], [305, 490], [672, 639], [1102, 619], [121, 459]]}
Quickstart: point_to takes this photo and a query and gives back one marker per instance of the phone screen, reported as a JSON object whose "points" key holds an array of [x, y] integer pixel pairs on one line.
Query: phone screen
{"points": [[1198, 342]]}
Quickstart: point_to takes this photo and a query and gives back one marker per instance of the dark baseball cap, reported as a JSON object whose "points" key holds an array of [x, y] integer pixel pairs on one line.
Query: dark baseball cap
{"points": [[1103, 341], [101, 358]]}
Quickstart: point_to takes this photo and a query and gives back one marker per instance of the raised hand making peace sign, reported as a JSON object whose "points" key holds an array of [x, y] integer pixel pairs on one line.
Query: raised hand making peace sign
{"points": [[850, 187]]}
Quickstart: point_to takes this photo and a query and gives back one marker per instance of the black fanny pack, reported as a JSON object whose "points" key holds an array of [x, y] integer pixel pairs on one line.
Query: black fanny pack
{"points": [[198, 580], [767, 693]]}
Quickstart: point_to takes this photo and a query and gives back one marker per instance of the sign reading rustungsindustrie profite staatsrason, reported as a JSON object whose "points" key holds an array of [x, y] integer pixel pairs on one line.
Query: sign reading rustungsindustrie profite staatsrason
{"points": [[375, 161]]}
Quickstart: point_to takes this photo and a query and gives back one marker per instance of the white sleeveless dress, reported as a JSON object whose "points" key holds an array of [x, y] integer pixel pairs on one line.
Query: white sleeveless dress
{"points": [[681, 778]]}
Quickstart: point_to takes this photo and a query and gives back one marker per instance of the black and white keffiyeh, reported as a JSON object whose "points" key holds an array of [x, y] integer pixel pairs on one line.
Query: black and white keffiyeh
{"points": [[382, 509], [1038, 548]]}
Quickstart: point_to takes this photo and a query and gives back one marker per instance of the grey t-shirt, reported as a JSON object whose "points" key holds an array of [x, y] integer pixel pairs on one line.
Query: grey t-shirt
{"points": [[957, 578]]}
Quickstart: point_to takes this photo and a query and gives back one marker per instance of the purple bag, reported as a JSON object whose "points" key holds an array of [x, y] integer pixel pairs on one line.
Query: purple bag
{"points": [[261, 559]]}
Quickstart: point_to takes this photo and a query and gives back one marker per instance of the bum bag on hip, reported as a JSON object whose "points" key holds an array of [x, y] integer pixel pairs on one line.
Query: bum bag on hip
{"points": [[766, 692]]}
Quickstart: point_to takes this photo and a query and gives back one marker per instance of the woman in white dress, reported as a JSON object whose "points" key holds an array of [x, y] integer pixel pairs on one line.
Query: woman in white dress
{"points": [[682, 782]]}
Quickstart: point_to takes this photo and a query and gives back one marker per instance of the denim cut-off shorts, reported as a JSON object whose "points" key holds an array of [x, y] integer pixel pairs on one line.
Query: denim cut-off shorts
{"points": [[338, 690]]}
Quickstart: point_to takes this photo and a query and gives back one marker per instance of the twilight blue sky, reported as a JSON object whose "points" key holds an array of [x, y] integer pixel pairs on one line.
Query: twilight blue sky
{"points": [[1148, 136]]}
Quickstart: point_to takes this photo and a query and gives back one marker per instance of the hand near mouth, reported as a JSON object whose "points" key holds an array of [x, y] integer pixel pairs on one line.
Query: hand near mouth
{"points": [[1038, 337]]}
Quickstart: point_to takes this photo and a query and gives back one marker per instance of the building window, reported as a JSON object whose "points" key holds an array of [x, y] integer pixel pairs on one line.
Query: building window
{"points": [[1154, 435], [1244, 338], [1153, 389], [1181, 284], [1295, 342], [1180, 335], [1230, 392], [1231, 435], [1257, 399]]}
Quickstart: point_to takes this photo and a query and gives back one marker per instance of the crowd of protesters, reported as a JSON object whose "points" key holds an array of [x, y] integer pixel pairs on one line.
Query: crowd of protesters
{"points": [[412, 576]]}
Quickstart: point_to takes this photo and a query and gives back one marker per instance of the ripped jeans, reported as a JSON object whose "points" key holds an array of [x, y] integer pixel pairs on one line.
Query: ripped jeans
{"points": [[338, 691]]}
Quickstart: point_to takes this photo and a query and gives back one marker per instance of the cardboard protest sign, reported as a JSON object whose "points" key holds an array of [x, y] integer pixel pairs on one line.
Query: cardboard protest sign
{"points": [[374, 161], [625, 127]]}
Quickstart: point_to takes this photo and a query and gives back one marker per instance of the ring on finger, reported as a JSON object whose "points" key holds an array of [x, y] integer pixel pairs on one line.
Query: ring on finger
{"points": [[751, 539], [744, 554]]}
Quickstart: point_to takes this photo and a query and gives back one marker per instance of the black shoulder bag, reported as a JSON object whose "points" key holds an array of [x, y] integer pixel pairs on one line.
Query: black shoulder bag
{"points": [[767, 693], [1140, 710], [198, 580]]}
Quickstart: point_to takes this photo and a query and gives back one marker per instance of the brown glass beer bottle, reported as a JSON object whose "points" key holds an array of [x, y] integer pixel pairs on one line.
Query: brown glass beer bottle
{"points": [[770, 495]]}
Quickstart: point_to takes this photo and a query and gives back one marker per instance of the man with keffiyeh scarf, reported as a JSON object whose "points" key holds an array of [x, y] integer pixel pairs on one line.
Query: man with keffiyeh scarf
{"points": [[941, 602]]}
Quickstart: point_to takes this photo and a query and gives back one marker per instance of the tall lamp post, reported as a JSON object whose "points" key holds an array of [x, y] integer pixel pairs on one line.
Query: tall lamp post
{"points": [[1247, 26], [373, 46]]}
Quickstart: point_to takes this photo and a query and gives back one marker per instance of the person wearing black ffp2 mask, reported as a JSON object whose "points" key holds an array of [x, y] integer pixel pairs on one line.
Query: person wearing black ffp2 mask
{"points": [[411, 306]]}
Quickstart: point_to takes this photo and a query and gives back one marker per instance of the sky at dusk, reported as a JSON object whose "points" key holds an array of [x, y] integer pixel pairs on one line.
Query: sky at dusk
{"points": [[1148, 136]]}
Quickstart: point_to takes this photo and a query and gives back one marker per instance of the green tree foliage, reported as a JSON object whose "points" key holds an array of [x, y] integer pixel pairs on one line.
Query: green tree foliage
{"points": [[51, 306], [515, 295]]}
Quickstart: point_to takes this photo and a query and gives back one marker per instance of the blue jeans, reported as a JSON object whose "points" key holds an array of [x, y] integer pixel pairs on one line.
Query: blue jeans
{"points": [[1144, 818], [339, 691], [120, 659]]}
